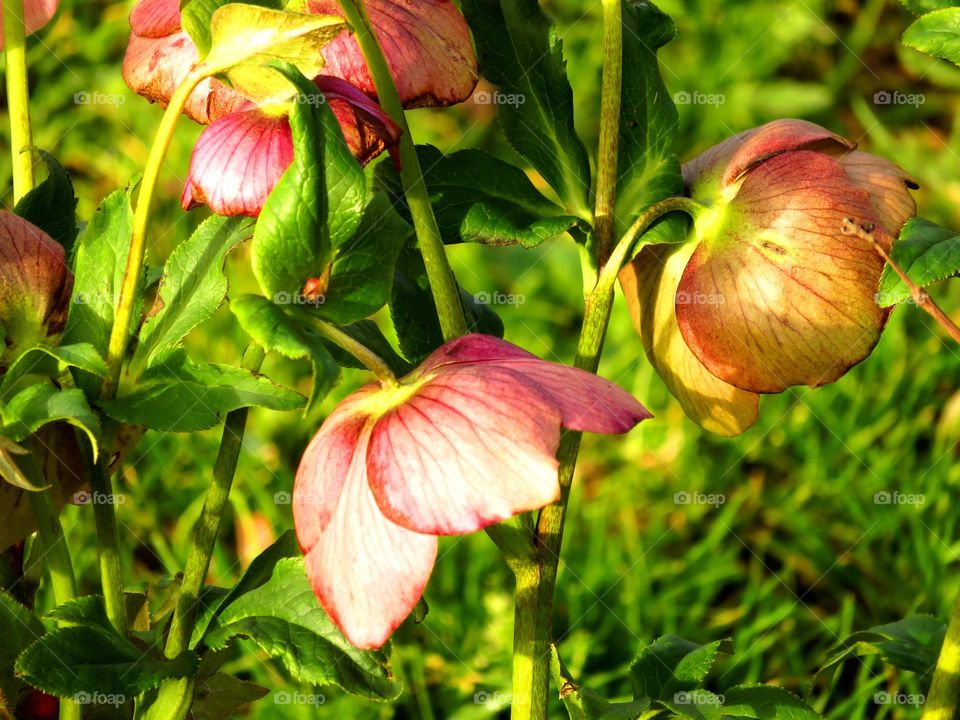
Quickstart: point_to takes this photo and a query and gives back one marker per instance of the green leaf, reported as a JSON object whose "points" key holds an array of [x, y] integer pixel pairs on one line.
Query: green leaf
{"points": [[671, 664], [910, 644], [648, 167], [181, 396], [924, 6], [52, 362], [90, 611], [519, 50], [292, 242], [937, 34], [244, 38], [18, 628], [197, 15], [220, 696], [272, 328], [82, 659], [585, 704], [362, 273], [765, 702], [41, 404], [926, 252], [299, 634], [101, 260], [193, 287], [368, 334], [479, 198], [259, 572], [52, 205], [414, 313]]}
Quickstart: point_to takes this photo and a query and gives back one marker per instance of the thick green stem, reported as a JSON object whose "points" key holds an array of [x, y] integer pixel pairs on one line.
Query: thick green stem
{"points": [[123, 318], [943, 700], [18, 97], [533, 615], [609, 129], [56, 554], [442, 283], [108, 543], [208, 525]]}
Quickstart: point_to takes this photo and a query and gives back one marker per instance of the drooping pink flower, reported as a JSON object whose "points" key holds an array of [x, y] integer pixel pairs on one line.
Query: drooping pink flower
{"points": [[466, 440], [36, 14], [240, 157], [35, 286], [769, 291]]}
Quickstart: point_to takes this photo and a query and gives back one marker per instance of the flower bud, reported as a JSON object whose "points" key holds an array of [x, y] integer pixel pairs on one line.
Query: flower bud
{"points": [[35, 285], [769, 291]]}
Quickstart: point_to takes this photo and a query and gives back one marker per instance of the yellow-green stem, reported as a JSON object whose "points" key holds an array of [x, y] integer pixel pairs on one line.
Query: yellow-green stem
{"points": [[609, 129], [943, 700], [442, 283], [123, 318], [369, 359], [18, 97]]}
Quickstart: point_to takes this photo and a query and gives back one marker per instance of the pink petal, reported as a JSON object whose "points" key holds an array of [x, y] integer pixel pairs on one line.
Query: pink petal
{"points": [[367, 572], [237, 161], [36, 14], [155, 67], [367, 129], [427, 44], [471, 447], [587, 402], [155, 18]]}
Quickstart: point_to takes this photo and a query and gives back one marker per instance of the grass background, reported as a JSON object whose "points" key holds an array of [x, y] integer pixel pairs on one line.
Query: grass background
{"points": [[798, 555]]}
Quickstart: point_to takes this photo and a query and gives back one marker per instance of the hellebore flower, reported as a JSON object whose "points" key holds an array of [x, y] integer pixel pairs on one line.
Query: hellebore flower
{"points": [[239, 158], [35, 286], [466, 440], [36, 14], [768, 291]]}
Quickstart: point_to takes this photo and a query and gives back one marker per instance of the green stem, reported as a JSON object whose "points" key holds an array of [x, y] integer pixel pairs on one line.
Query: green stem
{"points": [[108, 543], [442, 283], [533, 615], [943, 700], [123, 319], [18, 97], [369, 359], [56, 553], [208, 525], [609, 129]]}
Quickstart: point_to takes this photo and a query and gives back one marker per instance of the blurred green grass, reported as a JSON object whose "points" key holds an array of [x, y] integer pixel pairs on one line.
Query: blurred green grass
{"points": [[797, 556]]}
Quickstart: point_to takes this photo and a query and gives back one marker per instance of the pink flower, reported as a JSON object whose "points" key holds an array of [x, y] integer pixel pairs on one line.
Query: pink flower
{"points": [[466, 440], [35, 286], [36, 14], [239, 158], [769, 291]]}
